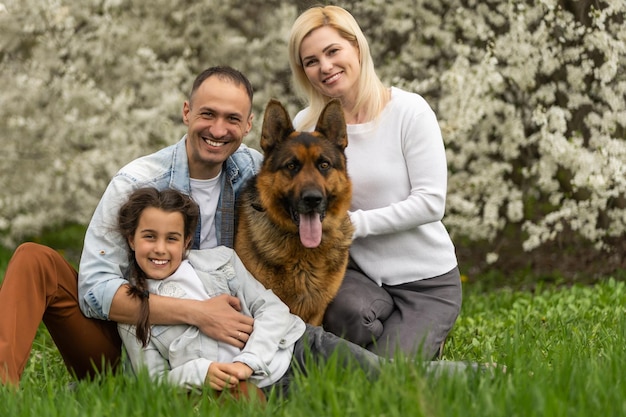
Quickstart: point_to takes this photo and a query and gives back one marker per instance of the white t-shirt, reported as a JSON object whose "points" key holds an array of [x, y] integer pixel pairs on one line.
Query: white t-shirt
{"points": [[206, 193]]}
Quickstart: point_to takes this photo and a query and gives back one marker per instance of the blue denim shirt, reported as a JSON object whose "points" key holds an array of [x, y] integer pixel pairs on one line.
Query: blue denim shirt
{"points": [[104, 261]]}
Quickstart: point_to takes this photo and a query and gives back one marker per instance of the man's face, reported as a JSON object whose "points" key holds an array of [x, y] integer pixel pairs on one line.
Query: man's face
{"points": [[217, 119]]}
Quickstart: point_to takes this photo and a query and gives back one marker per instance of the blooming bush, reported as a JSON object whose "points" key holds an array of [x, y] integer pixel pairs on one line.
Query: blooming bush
{"points": [[531, 97], [90, 85]]}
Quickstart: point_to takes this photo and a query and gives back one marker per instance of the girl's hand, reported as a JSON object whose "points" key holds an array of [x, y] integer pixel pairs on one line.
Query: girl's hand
{"points": [[222, 376]]}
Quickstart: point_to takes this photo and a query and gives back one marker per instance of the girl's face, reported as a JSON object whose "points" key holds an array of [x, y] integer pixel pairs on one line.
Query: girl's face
{"points": [[331, 63], [159, 242]]}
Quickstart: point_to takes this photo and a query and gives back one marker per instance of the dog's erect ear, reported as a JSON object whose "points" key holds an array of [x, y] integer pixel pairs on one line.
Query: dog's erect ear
{"points": [[276, 125], [332, 124]]}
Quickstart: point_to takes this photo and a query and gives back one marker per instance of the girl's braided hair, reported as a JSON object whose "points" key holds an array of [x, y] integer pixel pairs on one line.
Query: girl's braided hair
{"points": [[168, 200]]}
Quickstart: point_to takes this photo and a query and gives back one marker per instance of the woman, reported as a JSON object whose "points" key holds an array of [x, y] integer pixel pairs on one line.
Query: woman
{"points": [[402, 290]]}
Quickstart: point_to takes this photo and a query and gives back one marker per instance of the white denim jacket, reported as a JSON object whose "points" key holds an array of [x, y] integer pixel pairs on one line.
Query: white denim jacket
{"points": [[182, 354]]}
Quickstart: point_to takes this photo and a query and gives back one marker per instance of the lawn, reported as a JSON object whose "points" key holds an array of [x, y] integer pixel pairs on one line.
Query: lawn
{"points": [[564, 349]]}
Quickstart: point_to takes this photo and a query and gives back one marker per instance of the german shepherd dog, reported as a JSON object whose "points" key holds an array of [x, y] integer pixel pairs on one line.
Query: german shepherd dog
{"points": [[293, 231]]}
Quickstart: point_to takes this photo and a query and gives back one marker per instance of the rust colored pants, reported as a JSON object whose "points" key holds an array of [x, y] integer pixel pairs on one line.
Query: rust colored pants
{"points": [[40, 284]]}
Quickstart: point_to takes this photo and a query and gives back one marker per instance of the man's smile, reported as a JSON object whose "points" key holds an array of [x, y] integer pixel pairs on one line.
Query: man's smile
{"points": [[213, 143]]}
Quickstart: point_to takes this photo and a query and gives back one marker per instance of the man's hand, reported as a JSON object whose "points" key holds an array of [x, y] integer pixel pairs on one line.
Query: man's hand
{"points": [[220, 318], [223, 376]]}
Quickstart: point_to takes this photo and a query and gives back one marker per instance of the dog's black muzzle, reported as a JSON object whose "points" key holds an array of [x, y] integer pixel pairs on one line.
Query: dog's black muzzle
{"points": [[310, 201]]}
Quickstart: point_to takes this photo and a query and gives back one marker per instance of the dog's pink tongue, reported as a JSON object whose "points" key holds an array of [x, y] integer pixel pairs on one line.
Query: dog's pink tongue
{"points": [[310, 230]]}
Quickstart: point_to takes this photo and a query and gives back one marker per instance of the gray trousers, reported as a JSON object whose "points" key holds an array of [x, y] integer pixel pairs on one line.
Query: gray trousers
{"points": [[318, 346], [413, 318]]}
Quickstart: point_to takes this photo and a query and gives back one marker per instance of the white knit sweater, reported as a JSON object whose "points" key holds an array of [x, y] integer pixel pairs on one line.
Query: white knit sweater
{"points": [[398, 168]]}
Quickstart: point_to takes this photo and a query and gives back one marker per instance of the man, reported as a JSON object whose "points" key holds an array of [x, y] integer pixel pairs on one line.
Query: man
{"points": [[211, 164]]}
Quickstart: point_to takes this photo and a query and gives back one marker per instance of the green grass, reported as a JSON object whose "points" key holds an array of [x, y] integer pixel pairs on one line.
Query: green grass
{"points": [[564, 349]]}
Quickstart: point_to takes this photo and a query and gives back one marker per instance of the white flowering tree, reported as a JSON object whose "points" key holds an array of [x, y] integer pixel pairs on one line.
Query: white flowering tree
{"points": [[531, 96], [88, 86]]}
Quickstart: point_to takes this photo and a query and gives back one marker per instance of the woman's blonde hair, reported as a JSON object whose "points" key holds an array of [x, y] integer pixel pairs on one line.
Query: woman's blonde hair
{"points": [[371, 95]]}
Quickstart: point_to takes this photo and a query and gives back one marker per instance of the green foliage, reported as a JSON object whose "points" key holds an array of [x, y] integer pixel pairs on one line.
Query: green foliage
{"points": [[5, 255]]}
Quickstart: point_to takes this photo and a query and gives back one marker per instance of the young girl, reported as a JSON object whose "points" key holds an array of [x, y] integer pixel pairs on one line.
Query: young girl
{"points": [[158, 226]]}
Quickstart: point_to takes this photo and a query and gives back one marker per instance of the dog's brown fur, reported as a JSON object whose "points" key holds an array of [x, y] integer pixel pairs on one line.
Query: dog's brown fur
{"points": [[303, 174]]}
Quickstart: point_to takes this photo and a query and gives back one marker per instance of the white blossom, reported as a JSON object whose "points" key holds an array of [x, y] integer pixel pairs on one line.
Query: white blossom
{"points": [[531, 102]]}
